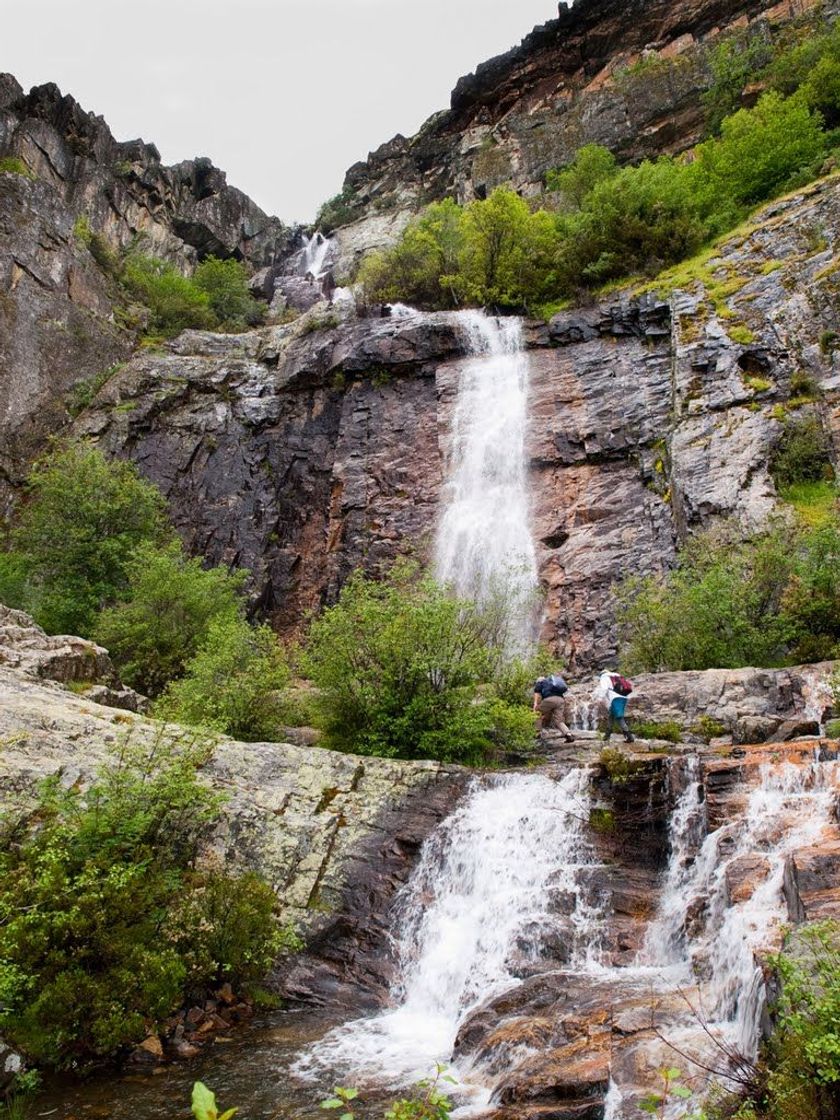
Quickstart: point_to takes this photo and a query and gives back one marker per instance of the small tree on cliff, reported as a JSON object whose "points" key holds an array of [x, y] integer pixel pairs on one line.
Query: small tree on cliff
{"points": [[84, 518], [406, 671]]}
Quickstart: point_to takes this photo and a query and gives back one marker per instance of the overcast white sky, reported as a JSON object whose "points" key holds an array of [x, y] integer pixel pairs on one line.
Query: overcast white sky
{"points": [[284, 95]]}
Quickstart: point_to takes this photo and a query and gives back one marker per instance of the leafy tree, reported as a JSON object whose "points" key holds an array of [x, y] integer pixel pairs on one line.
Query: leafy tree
{"points": [[760, 149], [802, 454], [592, 165], [231, 685], [175, 301], [771, 600], [406, 671], [225, 283], [168, 607], [93, 945], [84, 517]]}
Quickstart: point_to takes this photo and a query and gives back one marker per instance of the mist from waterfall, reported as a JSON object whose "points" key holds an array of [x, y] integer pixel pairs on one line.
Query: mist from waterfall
{"points": [[484, 547]]}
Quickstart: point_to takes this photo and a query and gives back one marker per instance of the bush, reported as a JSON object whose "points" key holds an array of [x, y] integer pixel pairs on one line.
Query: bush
{"points": [[760, 149], [175, 301], [225, 283], [406, 671], [804, 1053], [338, 211], [802, 454], [232, 684], [93, 903], [770, 600], [168, 607], [77, 532]]}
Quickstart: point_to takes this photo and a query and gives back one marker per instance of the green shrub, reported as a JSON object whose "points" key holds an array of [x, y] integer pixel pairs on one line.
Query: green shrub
{"points": [[759, 149], [232, 683], [668, 730], [165, 615], [804, 1053], [770, 600], [93, 905], [338, 211], [406, 671], [84, 517], [802, 454], [14, 165], [83, 393], [225, 283], [14, 580], [175, 301], [707, 727]]}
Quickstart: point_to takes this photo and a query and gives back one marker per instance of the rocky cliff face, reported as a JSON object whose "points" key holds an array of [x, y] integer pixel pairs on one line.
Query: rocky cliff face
{"points": [[302, 452], [58, 325], [628, 76]]}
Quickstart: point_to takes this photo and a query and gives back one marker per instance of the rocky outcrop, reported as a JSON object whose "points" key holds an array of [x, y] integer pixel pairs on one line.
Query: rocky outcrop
{"points": [[25, 647], [333, 834], [181, 213], [627, 76], [745, 705], [60, 324]]}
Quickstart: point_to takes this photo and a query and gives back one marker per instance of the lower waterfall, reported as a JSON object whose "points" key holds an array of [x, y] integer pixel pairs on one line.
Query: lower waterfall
{"points": [[477, 904], [485, 902]]}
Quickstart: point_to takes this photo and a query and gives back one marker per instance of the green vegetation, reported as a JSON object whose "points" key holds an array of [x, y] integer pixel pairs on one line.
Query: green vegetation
{"points": [[233, 684], [83, 393], [106, 925], [215, 297], [617, 766], [407, 671], [168, 606], [599, 223], [669, 730], [225, 283], [204, 1105], [76, 535], [773, 599], [338, 211], [803, 453], [14, 165]]}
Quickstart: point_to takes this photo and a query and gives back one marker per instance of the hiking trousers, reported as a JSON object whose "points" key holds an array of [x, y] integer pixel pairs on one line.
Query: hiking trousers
{"points": [[552, 711], [615, 718]]}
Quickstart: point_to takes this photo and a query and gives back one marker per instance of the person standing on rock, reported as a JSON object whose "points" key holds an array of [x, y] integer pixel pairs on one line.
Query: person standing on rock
{"points": [[614, 689], [550, 705]]}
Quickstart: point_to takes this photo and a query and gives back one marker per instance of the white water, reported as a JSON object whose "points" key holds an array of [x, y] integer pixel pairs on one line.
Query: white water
{"points": [[475, 907], [484, 545], [313, 258], [789, 809]]}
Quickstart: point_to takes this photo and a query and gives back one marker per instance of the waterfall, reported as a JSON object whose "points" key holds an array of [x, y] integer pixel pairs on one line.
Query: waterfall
{"points": [[484, 545], [477, 904], [787, 810], [313, 257]]}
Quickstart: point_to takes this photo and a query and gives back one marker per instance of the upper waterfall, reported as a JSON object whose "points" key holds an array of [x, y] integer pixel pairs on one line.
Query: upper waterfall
{"points": [[484, 544]]}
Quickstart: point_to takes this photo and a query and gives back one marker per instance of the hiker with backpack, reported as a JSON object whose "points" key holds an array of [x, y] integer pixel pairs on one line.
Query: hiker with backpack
{"points": [[549, 703], [615, 689]]}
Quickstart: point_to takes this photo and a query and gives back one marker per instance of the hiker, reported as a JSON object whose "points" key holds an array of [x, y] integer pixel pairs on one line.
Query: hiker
{"points": [[614, 689], [549, 703]]}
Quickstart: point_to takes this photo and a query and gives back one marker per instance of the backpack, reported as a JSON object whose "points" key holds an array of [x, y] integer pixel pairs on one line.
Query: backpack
{"points": [[621, 685], [557, 684]]}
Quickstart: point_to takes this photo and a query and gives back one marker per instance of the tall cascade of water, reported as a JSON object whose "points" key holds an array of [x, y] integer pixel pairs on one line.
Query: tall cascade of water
{"points": [[478, 900], [484, 543], [313, 257]]}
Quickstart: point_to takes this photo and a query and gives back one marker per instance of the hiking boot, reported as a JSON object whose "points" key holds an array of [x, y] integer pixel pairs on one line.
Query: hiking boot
{"points": [[569, 738], [629, 739]]}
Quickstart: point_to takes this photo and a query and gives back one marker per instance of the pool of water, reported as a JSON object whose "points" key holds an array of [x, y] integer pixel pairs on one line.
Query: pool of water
{"points": [[250, 1072]]}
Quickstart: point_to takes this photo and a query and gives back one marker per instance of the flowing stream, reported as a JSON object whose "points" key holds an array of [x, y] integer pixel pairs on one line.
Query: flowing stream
{"points": [[484, 544], [477, 904]]}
